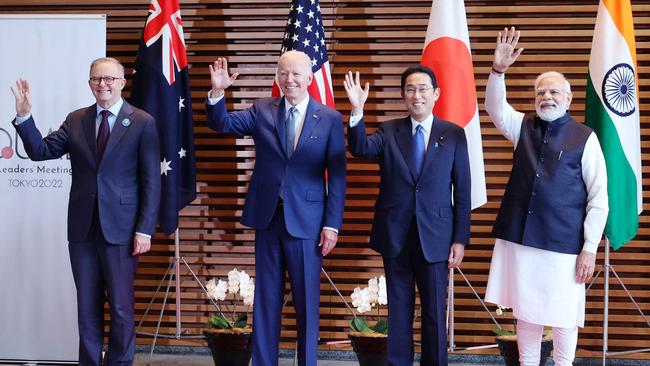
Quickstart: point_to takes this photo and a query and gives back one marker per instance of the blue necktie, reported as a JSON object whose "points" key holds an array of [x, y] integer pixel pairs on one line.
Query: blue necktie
{"points": [[290, 130], [418, 149], [103, 133]]}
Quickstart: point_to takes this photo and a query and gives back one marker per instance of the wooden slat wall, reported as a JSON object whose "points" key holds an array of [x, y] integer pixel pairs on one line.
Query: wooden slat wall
{"points": [[379, 38]]}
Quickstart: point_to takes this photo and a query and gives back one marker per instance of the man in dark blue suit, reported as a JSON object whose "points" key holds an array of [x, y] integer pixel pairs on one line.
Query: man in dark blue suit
{"points": [[292, 205], [422, 214], [113, 207]]}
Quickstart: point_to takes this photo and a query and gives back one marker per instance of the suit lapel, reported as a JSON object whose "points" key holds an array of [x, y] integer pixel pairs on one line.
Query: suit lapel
{"points": [[312, 117], [277, 111], [89, 125], [436, 139], [405, 142], [122, 124]]}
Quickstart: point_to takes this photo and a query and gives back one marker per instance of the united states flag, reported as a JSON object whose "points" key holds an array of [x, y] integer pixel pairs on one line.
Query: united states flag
{"points": [[304, 32], [161, 86]]}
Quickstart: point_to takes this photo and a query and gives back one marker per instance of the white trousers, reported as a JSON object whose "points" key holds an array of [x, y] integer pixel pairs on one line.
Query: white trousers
{"points": [[529, 342]]}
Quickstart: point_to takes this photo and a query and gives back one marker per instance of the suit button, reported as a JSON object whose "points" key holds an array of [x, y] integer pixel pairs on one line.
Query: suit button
{"points": [[530, 212], [545, 142], [534, 194], [536, 175], [541, 160]]}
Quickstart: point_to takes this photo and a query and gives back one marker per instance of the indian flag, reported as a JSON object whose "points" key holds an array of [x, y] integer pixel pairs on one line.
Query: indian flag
{"points": [[612, 110], [447, 53]]}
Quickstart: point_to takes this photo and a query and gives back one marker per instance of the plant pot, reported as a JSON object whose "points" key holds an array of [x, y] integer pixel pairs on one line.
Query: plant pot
{"points": [[510, 351], [229, 347], [370, 348]]}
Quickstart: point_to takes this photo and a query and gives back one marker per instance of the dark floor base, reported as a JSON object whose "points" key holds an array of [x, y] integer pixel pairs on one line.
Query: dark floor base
{"points": [[350, 356]]}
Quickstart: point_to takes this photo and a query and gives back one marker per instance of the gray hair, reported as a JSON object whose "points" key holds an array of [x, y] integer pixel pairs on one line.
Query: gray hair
{"points": [[298, 54], [110, 60], [554, 74]]}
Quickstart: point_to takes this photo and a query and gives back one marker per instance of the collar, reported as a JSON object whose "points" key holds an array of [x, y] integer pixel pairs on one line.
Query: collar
{"points": [[426, 124], [114, 109], [302, 106]]}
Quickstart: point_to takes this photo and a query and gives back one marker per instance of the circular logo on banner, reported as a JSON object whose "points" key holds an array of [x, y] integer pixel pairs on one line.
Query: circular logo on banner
{"points": [[619, 90], [7, 150]]}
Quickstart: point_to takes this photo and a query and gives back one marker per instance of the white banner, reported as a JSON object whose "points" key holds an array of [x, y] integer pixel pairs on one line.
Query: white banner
{"points": [[38, 312]]}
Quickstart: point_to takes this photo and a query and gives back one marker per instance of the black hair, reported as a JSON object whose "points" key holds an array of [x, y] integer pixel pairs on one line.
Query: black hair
{"points": [[419, 69]]}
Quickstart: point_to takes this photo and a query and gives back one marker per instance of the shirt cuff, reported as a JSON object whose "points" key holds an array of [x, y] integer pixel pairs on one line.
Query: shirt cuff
{"points": [[354, 120], [213, 101], [590, 247], [331, 229], [143, 235], [22, 119]]}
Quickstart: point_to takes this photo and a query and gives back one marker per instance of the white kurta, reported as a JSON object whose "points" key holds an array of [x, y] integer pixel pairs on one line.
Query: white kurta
{"points": [[540, 285]]}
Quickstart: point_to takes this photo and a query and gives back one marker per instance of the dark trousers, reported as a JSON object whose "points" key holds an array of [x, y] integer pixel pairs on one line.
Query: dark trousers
{"points": [[402, 274], [102, 270], [276, 252]]}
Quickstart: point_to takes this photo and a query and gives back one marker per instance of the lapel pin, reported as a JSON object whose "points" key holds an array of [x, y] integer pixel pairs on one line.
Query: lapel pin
{"points": [[436, 145], [126, 122], [442, 139]]}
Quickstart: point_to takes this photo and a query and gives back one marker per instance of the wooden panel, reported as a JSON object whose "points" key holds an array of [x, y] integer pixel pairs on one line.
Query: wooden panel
{"points": [[379, 38]]}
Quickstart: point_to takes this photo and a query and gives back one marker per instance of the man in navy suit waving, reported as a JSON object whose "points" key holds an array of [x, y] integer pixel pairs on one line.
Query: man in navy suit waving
{"points": [[291, 205], [422, 214], [113, 207]]}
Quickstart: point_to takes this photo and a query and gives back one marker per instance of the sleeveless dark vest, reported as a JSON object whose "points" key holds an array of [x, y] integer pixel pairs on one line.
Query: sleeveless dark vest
{"points": [[544, 205]]}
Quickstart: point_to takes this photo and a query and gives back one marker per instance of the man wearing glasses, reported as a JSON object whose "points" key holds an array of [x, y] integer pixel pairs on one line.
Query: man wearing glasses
{"points": [[553, 211], [422, 215], [113, 207]]}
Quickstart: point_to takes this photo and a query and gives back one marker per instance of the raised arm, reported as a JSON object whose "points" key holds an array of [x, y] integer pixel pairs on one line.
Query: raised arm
{"points": [[506, 119], [220, 80], [369, 147], [22, 93]]}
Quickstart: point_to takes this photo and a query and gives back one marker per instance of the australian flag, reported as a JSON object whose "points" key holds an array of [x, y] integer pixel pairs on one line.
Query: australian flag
{"points": [[161, 86]]}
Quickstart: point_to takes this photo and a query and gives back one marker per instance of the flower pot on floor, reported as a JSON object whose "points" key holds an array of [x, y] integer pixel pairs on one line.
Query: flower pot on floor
{"points": [[370, 348], [510, 352], [229, 347]]}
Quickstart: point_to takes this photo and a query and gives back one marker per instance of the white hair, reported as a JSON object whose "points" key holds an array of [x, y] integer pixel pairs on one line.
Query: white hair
{"points": [[554, 74]]}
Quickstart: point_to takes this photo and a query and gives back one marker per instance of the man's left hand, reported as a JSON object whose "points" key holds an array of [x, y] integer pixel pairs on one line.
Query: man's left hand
{"points": [[585, 265], [328, 240], [141, 244], [456, 254]]}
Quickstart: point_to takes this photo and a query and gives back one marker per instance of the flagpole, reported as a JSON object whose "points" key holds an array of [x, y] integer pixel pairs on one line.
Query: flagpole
{"points": [[450, 309], [177, 257], [606, 302]]}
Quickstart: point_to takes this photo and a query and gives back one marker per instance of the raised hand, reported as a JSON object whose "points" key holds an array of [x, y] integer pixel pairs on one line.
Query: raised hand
{"points": [[23, 96], [356, 94], [219, 77], [505, 53]]}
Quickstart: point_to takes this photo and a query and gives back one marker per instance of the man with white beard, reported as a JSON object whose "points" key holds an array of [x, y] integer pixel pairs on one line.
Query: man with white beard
{"points": [[553, 211]]}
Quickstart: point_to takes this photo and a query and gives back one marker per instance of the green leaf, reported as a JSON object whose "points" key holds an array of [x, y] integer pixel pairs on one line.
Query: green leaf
{"points": [[381, 326], [359, 325], [242, 321], [217, 321], [502, 332]]}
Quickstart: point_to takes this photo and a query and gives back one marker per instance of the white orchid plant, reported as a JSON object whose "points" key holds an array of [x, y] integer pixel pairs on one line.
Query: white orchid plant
{"points": [[240, 286], [364, 300]]}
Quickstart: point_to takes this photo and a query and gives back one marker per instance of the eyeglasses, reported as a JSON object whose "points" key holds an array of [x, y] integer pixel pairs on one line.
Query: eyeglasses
{"points": [[422, 90], [108, 80]]}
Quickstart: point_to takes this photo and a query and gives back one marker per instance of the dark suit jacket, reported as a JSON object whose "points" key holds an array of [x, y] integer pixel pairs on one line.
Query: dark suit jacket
{"points": [[402, 195], [309, 203], [125, 184]]}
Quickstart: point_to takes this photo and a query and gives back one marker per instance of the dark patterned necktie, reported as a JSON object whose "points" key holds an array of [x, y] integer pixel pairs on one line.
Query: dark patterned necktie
{"points": [[103, 133], [418, 149], [291, 130]]}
